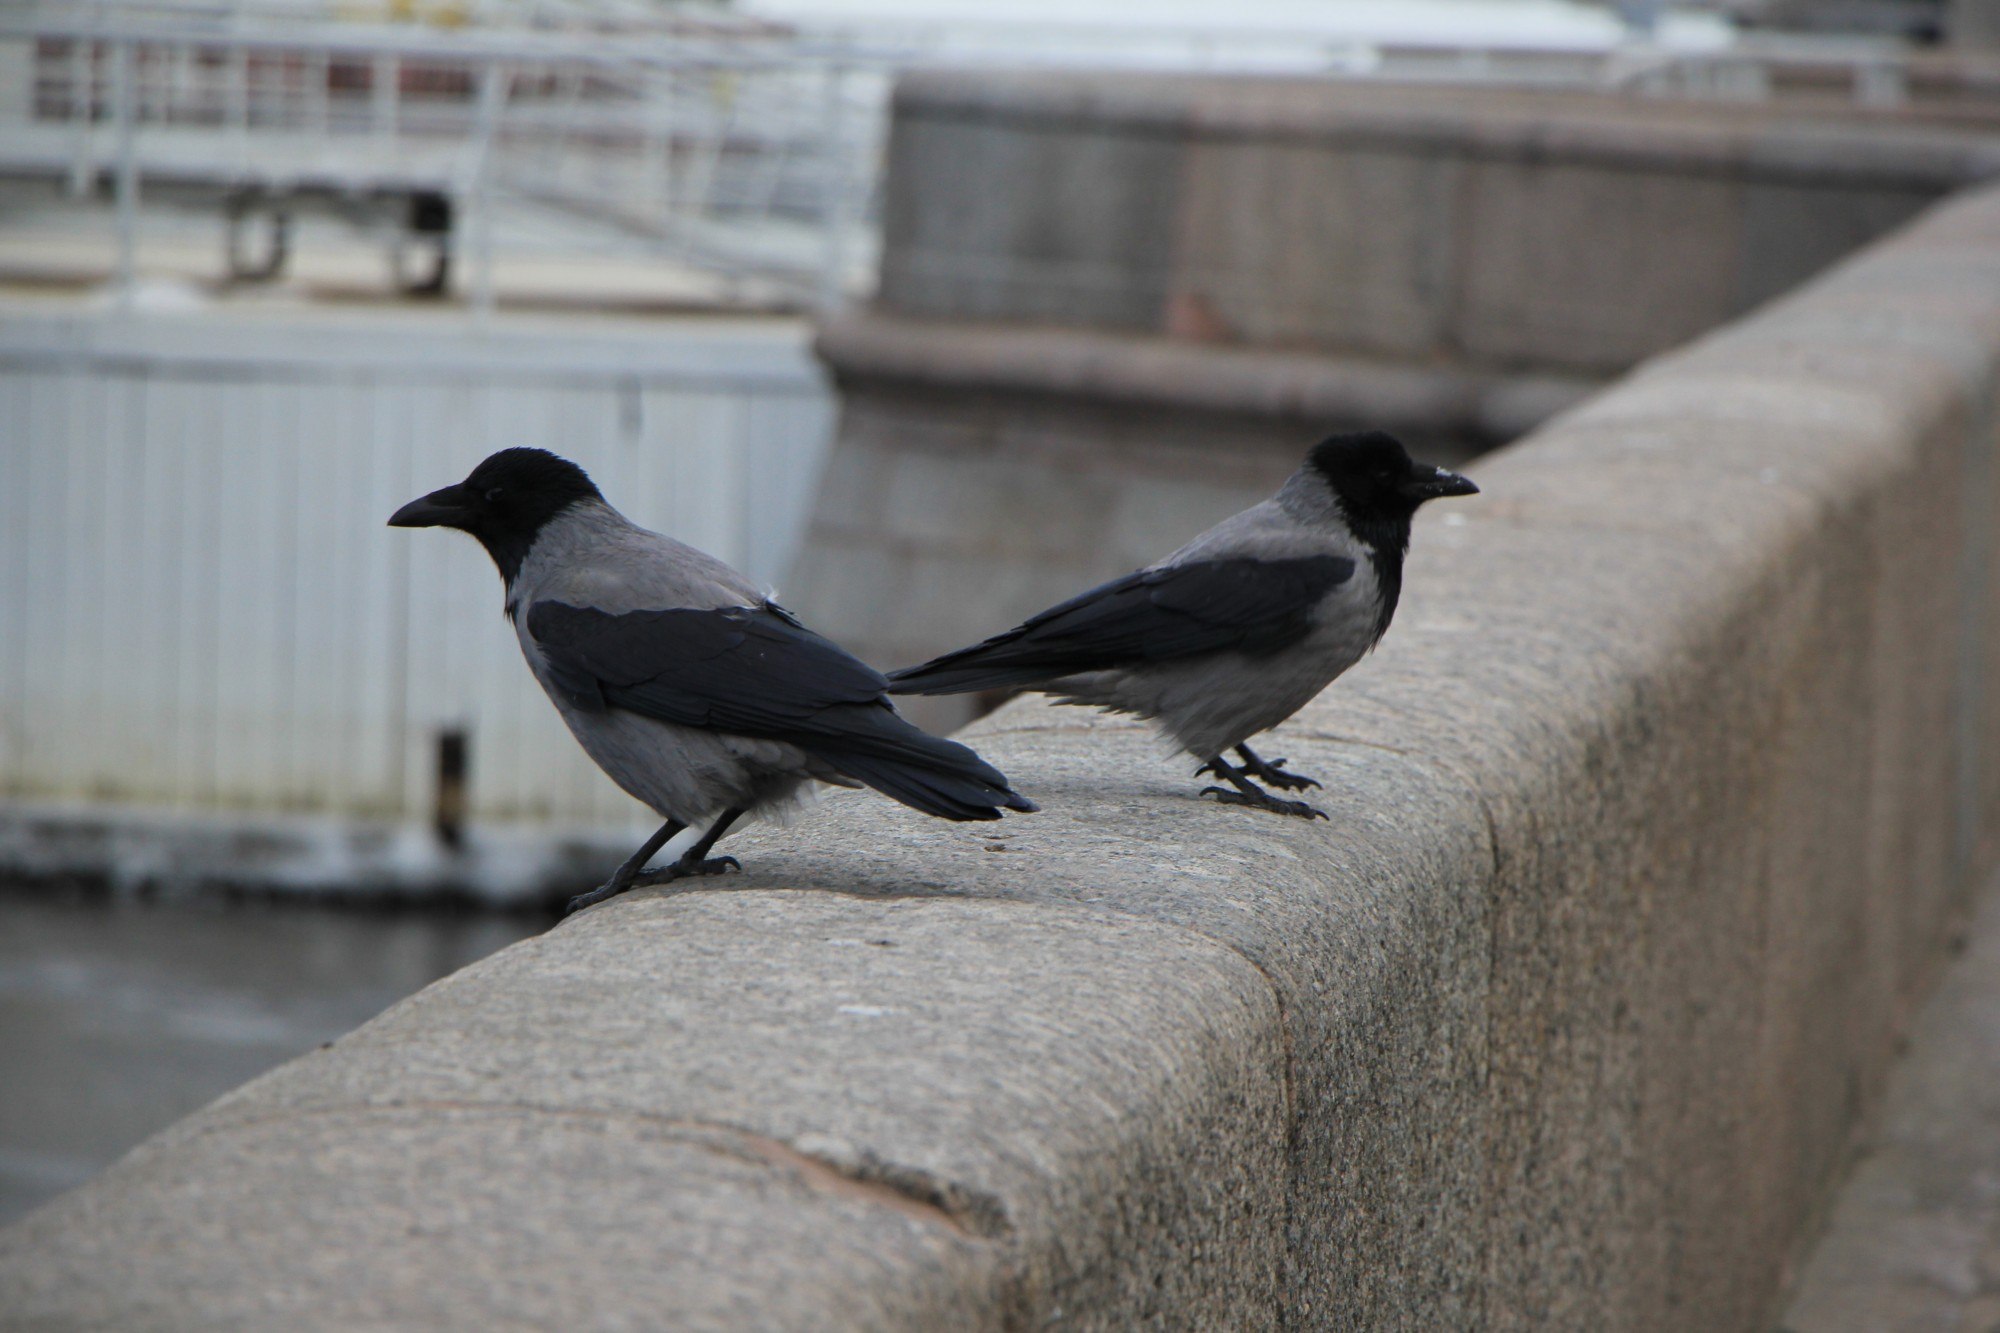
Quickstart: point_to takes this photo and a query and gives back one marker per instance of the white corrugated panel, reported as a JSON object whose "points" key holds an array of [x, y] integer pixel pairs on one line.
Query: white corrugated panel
{"points": [[201, 606]]}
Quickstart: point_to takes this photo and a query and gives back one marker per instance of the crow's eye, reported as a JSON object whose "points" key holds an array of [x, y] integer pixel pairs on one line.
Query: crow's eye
{"points": [[494, 494]]}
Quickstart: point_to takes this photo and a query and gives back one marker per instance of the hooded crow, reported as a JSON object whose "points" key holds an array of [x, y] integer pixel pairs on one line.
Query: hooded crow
{"points": [[1237, 630], [687, 685]]}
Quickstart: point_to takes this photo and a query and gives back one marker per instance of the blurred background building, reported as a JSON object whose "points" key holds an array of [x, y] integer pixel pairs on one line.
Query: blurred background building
{"points": [[1094, 276]]}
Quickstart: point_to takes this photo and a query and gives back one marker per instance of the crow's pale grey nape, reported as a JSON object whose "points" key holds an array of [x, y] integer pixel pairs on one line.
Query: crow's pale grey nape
{"points": [[1237, 630], [689, 687]]}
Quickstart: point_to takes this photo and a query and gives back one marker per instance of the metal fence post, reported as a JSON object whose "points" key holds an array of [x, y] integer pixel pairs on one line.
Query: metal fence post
{"points": [[237, 92], [128, 170], [318, 94], [833, 203], [385, 79], [493, 78], [82, 112]]}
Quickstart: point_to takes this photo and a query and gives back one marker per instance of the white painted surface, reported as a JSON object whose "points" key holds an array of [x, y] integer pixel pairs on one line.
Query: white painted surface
{"points": [[201, 607]]}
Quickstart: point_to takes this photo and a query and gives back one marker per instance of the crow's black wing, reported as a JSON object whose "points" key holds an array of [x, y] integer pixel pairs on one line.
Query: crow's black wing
{"points": [[753, 671], [1155, 615]]}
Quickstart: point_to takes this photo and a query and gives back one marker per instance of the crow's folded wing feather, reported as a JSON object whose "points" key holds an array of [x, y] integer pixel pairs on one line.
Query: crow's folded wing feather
{"points": [[1154, 615], [753, 671]]}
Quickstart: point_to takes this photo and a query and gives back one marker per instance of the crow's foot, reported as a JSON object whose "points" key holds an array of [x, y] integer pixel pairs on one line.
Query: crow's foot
{"points": [[688, 869], [681, 869], [1263, 800]]}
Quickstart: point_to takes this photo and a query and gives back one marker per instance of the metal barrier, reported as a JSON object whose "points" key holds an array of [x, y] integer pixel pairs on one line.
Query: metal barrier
{"points": [[737, 149], [725, 144]]}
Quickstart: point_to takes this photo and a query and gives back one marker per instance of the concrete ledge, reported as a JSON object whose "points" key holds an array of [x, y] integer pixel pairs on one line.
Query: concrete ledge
{"points": [[913, 1164], [1648, 823]]}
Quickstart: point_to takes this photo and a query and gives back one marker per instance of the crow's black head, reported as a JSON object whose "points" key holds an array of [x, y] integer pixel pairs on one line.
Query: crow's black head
{"points": [[504, 503], [1378, 487], [1376, 481]]}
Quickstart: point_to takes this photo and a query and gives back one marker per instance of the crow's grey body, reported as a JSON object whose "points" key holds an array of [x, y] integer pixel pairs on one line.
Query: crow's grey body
{"points": [[591, 556], [1210, 703], [691, 689], [1237, 630]]}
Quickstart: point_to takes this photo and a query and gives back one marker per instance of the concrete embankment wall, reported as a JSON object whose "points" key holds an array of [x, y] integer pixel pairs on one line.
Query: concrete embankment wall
{"points": [[1505, 227], [1648, 823]]}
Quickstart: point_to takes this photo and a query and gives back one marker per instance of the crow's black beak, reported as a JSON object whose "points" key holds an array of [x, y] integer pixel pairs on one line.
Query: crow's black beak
{"points": [[1436, 484], [445, 508]]}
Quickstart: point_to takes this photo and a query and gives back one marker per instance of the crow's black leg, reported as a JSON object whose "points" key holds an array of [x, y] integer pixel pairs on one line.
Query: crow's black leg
{"points": [[696, 859], [1250, 794], [628, 872], [1272, 771]]}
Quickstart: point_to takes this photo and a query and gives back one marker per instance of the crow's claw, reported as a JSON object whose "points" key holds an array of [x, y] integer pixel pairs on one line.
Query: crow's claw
{"points": [[608, 889], [1264, 801], [1272, 773]]}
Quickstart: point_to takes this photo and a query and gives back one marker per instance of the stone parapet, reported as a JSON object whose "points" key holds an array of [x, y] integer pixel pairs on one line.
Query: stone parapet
{"points": [[1649, 825], [1556, 231]]}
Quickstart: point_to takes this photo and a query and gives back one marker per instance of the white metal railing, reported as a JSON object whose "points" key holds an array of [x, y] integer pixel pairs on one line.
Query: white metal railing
{"points": [[743, 150], [736, 147]]}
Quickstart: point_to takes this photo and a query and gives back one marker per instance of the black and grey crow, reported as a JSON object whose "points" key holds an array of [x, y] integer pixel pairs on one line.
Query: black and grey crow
{"points": [[1237, 630], [694, 691]]}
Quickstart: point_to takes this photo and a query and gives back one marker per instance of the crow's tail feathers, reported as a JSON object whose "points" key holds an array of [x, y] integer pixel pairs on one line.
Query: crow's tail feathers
{"points": [[924, 772]]}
